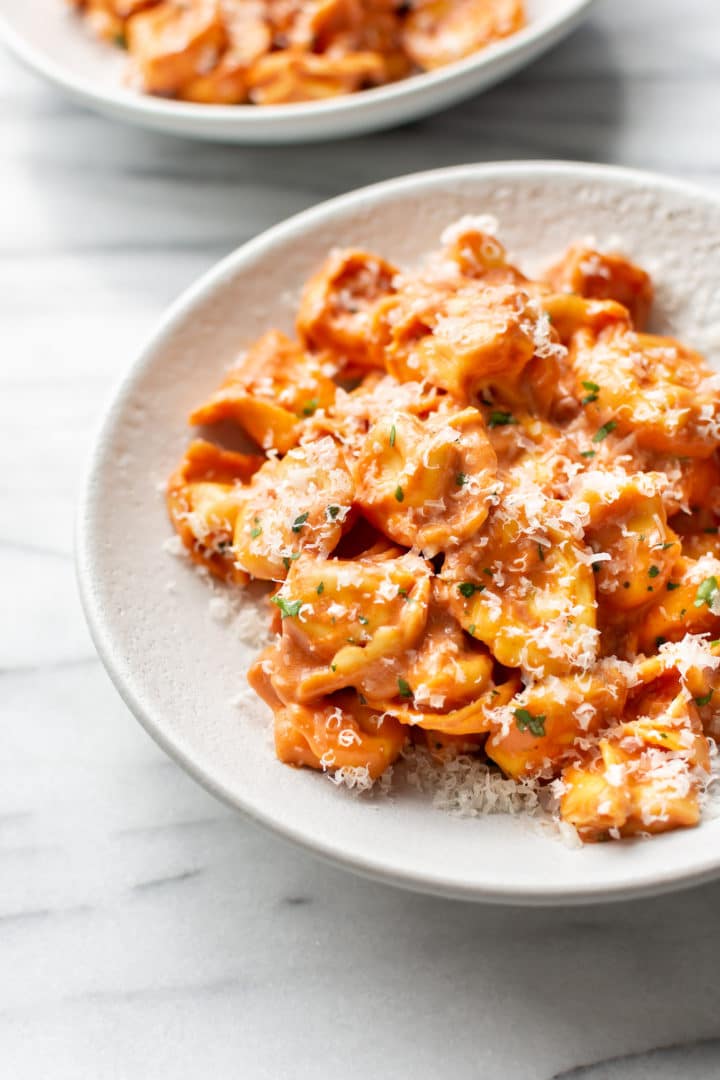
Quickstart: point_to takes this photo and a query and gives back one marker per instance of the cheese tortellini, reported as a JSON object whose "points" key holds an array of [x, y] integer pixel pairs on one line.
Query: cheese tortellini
{"points": [[487, 509]]}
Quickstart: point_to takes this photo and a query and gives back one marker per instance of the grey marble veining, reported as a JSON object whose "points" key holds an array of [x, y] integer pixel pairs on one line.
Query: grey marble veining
{"points": [[145, 930]]}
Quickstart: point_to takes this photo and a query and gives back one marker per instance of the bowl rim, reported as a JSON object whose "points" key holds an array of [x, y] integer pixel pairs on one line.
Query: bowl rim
{"points": [[256, 117], [660, 879]]}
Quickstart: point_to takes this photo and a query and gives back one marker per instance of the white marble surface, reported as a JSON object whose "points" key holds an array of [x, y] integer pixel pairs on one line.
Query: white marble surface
{"points": [[145, 930]]}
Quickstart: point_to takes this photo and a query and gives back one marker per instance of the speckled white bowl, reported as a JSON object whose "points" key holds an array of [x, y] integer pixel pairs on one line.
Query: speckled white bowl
{"points": [[179, 669], [46, 35]]}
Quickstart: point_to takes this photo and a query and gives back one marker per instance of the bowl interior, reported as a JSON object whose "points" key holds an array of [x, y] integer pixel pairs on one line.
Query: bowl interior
{"points": [[180, 668]]}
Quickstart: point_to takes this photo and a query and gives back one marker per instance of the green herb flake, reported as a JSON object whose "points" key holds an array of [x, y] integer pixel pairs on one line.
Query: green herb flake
{"points": [[404, 688], [461, 479], [587, 453], [289, 608], [287, 559], [362, 699], [363, 620], [672, 585], [321, 588], [331, 512], [466, 588], [653, 571], [471, 629], [404, 593], [255, 532], [399, 494], [706, 592], [663, 547], [310, 406], [705, 699], [299, 522], [593, 395], [541, 553], [604, 431], [393, 434], [500, 418], [333, 667], [527, 722]]}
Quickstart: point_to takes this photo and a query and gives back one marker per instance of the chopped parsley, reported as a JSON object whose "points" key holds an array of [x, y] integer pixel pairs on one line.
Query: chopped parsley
{"points": [[500, 418], [653, 571], [604, 431], [321, 588], [310, 406], [471, 629], [527, 722], [404, 688], [299, 522], [393, 434], [672, 585], [707, 590], [595, 567], [289, 608], [362, 699], [287, 559], [461, 479], [541, 553], [257, 528], [333, 667], [363, 620], [466, 588], [705, 699], [331, 512], [399, 493], [587, 453], [663, 547], [593, 395]]}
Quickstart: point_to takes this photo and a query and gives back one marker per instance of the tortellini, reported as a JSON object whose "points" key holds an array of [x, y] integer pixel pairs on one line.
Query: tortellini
{"points": [[489, 511]]}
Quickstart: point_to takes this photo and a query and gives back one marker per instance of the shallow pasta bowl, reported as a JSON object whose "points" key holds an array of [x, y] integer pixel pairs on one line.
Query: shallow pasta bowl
{"points": [[52, 41], [181, 670]]}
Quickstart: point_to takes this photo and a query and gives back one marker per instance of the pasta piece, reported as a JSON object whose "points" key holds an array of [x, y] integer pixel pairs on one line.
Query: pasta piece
{"points": [[478, 335], [439, 32], [475, 718], [570, 314], [301, 502], [273, 389], [304, 76], [248, 37], [341, 734], [203, 498], [599, 276], [646, 776], [175, 41], [448, 668], [628, 531], [546, 723], [336, 303], [349, 623], [689, 604], [427, 483], [651, 387], [527, 592]]}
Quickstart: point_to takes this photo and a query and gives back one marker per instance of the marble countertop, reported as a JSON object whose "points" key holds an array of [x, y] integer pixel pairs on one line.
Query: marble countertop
{"points": [[145, 930]]}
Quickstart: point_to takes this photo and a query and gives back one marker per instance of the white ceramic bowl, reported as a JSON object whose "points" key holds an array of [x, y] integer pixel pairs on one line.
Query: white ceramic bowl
{"points": [[179, 670], [50, 39]]}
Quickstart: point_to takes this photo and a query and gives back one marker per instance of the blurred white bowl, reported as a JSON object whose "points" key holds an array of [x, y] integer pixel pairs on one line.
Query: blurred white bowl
{"points": [[52, 40], [179, 670]]}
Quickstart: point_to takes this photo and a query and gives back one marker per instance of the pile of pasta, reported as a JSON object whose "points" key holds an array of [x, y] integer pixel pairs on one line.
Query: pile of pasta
{"points": [[488, 509], [270, 52]]}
